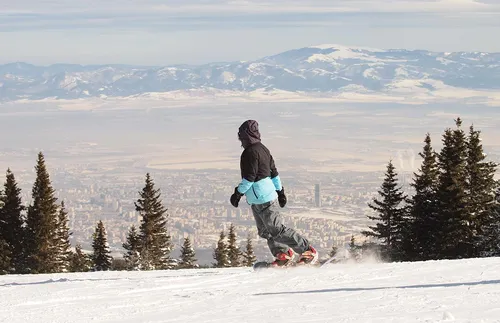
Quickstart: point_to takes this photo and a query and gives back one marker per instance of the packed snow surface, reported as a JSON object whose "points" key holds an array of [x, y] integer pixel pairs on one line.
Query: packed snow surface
{"points": [[434, 291]]}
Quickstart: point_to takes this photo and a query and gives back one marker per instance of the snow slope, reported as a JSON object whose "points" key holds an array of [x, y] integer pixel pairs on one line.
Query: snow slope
{"points": [[434, 291]]}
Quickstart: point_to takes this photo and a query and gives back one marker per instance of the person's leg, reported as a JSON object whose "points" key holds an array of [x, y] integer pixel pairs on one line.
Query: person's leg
{"points": [[274, 247], [280, 234]]}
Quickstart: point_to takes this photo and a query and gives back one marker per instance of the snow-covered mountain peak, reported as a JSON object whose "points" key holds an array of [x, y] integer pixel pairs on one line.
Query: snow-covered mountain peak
{"points": [[331, 53], [330, 69], [347, 48]]}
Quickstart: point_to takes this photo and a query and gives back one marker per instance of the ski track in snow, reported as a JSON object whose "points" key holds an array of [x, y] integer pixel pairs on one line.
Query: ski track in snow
{"points": [[433, 291]]}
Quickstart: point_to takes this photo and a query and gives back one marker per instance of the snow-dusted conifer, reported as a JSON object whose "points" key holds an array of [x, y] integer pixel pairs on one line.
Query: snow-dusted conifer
{"points": [[221, 252], [80, 262], [420, 240], [12, 221], [390, 219], [481, 189], [188, 255], [41, 223], [233, 251], [132, 246], [489, 237], [355, 251], [249, 256], [156, 244], [333, 251], [101, 254], [63, 243], [454, 229], [5, 258]]}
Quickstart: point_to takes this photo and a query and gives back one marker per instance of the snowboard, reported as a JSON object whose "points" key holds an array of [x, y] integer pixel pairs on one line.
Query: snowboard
{"points": [[259, 265]]}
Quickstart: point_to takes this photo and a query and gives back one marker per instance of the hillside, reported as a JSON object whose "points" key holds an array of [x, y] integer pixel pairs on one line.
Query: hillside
{"points": [[323, 70], [434, 291]]}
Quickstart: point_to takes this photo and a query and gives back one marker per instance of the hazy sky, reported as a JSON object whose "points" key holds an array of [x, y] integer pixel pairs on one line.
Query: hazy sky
{"points": [[154, 32]]}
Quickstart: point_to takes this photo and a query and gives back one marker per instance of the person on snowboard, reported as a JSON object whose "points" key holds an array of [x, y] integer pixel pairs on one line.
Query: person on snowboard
{"points": [[263, 190]]}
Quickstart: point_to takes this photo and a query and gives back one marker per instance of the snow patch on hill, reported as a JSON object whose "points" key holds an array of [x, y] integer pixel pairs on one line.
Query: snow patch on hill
{"points": [[323, 71]]}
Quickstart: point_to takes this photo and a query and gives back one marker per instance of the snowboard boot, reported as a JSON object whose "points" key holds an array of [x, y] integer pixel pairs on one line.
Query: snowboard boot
{"points": [[283, 259], [308, 257]]}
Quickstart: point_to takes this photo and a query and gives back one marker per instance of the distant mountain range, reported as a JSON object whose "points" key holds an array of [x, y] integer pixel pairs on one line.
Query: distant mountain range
{"points": [[324, 69]]}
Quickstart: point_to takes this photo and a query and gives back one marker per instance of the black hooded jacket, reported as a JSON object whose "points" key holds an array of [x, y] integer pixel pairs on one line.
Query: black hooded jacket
{"points": [[256, 160]]}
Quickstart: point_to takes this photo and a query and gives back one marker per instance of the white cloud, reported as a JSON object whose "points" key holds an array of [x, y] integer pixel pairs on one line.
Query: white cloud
{"points": [[115, 7], [197, 14], [160, 32]]}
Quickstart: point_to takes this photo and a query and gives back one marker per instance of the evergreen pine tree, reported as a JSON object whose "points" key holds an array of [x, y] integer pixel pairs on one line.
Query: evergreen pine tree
{"points": [[63, 244], [481, 187], [41, 223], [12, 220], [101, 259], [80, 262], [454, 227], [249, 257], [156, 243], [391, 216], [221, 252], [333, 251], [352, 243], [233, 252], [354, 249], [489, 237], [5, 258], [188, 256], [133, 249], [421, 236]]}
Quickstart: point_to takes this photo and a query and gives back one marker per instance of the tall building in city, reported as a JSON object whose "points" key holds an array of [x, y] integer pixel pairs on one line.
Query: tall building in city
{"points": [[317, 195]]}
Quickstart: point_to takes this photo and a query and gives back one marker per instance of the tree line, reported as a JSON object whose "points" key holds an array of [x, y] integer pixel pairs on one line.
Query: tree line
{"points": [[454, 211], [36, 238]]}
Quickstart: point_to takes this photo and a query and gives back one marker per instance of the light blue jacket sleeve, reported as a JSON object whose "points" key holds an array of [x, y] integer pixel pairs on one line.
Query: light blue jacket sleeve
{"points": [[277, 182], [244, 186]]}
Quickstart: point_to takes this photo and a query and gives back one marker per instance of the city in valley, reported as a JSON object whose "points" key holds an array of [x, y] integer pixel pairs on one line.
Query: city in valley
{"points": [[331, 158]]}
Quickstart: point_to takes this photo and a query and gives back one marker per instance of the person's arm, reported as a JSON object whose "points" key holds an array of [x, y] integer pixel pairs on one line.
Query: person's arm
{"points": [[249, 166], [275, 177]]}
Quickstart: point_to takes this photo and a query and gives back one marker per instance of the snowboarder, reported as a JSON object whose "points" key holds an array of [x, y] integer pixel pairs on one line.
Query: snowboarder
{"points": [[261, 185]]}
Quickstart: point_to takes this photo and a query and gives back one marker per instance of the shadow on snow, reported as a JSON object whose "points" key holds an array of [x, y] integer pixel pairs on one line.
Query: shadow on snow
{"points": [[334, 290]]}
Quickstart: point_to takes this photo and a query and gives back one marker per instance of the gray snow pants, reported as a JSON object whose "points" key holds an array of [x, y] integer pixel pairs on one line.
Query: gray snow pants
{"points": [[271, 227]]}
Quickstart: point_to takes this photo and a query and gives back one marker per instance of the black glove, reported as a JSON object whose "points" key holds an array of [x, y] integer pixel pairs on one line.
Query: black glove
{"points": [[281, 197], [235, 198]]}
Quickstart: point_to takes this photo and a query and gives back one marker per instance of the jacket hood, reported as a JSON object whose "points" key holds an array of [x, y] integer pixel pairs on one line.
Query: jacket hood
{"points": [[248, 133]]}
